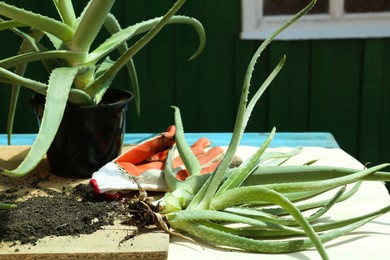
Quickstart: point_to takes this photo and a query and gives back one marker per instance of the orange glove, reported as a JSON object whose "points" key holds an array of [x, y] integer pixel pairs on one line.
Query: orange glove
{"points": [[146, 161]]}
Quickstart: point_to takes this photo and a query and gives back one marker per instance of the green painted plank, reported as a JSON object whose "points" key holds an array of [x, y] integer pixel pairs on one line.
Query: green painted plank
{"points": [[187, 73], [372, 83], [215, 78], [160, 72], [289, 93], [134, 12], [384, 120], [131, 12], [335, 90]]}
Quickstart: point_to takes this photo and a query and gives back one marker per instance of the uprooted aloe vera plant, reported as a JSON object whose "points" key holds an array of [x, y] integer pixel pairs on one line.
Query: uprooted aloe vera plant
{"points": [[209, 207]]}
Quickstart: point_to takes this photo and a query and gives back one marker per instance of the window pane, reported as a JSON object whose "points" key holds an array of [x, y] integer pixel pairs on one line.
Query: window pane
{"points": [[276, 7], [364, 6]]}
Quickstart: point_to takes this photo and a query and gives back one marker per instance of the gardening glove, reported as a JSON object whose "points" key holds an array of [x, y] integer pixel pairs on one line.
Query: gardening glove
{"points": [[145, 163]]}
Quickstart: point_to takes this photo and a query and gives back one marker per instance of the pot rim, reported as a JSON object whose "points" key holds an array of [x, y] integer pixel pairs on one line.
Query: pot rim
{"points": [[123, 97]]}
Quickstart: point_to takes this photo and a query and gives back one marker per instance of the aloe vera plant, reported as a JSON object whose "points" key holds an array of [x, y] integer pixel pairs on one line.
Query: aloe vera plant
{"points": [[240, 209], [77, 73]]}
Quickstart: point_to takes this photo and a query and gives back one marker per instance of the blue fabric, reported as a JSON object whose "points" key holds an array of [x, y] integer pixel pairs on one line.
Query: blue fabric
{"points": [[281, 139]]}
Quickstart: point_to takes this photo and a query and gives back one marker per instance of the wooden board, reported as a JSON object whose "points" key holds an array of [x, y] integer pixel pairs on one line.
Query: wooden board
{"points": [[103, 244]]}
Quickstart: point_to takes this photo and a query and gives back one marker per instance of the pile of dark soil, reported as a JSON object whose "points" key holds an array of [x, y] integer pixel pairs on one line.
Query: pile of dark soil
{"points": [[73, 212]]}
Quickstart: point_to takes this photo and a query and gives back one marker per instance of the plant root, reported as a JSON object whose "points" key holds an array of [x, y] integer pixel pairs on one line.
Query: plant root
{"points": [[144, 213]]}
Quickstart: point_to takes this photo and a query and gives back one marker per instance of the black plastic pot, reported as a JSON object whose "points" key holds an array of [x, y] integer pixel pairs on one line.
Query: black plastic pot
{"points": [[89, 136]]}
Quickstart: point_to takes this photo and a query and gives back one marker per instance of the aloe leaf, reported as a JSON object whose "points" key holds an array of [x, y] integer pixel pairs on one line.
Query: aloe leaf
{"points": [[296, 190], [185, 152], [170, 178], [221, 236], [251, 232], [333, 226], [267, 217], [118, 40], [98, 85], [10, 24], [69, 56], [340, 223], [292, 173], [236, 196], [278, 158], [318, 227], [57, 43], [191, 184], [326, 184], [80, 98], [32, 41], [36, 35], [308, 205], [104, 66], [7, 76], [28, 44], [127, 33], [113, 26], [97, 91], [203, 198], [4, 206], [182, 192], [172, 202], [66, 11], [60, 83], [44, 23], [89, 24], [27, 39], [211, 215], [296, 187], [280, 234], [76, 96], [19, 70], [241, 173]]}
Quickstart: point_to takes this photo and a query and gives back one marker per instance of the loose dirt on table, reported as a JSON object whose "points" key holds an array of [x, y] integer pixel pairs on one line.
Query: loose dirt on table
{"points": [[72, 212]]}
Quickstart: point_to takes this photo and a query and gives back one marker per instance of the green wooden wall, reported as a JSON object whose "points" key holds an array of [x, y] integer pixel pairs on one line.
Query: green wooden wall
{"points": [[337, 86]]}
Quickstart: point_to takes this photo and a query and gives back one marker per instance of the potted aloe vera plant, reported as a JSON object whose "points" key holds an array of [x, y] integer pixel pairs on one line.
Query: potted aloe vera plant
{"points": [[79, 77]]}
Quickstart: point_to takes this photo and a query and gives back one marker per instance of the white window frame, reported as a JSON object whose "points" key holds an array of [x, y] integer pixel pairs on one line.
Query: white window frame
{"points": [[334, 25]]}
